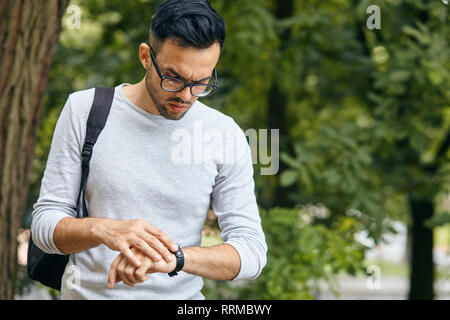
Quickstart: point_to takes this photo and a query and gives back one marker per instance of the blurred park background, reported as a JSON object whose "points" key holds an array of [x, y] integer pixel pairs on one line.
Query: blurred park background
{"points": [[360, 206]]}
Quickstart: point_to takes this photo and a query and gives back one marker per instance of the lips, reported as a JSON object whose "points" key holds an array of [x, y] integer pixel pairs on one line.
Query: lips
{"points": [[177, 107]]}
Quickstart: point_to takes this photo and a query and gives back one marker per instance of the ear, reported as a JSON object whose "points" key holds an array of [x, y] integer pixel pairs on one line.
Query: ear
{"points": [[144, 55]]}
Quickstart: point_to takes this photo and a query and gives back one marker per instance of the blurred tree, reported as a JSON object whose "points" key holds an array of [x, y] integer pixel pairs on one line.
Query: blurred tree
{"points": [[380, 127], [411, 98], [277, 104], [28, 35]]}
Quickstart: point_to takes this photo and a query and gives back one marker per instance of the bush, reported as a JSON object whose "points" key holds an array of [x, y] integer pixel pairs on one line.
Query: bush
{"points": [[301, 252]]}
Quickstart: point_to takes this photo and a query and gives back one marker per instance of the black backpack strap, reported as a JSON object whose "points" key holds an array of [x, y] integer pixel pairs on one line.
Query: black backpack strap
{"points": [[96, 122]]}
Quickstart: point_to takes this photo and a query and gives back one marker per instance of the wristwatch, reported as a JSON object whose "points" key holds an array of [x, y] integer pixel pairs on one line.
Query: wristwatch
{"points": [[180, 262]]}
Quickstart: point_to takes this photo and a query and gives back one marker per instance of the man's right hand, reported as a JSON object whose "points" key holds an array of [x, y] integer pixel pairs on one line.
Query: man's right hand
{"points": [[122, 235], [74, 235]]}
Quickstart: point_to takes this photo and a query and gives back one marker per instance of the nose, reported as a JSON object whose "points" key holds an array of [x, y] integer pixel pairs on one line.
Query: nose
{"points": [[185, 94]]}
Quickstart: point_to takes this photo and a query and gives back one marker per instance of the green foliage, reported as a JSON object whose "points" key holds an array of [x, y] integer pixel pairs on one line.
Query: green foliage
{"points": [[374, 107], [438, 220], [302, 251]]}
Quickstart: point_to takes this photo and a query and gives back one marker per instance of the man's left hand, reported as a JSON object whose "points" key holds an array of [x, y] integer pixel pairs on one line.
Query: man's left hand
{"points": [[122, 270]]}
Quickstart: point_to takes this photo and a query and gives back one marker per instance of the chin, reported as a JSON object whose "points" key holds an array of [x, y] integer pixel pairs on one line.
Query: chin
{"points": [[173, 116]]}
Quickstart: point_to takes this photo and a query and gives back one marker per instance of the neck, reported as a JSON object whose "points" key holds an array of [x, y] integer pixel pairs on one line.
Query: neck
{"points": [[137, 93]]}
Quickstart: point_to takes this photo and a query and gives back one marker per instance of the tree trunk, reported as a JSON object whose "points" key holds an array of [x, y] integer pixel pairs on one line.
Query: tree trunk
{"points": [[29, 32], [278, 106], [422, 266]]}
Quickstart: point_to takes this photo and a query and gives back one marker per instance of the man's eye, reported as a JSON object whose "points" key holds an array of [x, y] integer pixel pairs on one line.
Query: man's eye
{"points": [[204, 81]]}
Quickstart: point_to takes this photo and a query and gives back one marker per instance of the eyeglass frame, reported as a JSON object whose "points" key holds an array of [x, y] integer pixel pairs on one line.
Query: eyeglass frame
{"points": [[186, 84]]}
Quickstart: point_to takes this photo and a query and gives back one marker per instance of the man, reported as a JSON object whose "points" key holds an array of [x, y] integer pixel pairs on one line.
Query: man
{"points": [[144, 199]]}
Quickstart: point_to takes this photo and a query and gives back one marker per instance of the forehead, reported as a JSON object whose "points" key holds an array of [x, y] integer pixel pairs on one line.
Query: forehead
{"points": [[188, 62]]}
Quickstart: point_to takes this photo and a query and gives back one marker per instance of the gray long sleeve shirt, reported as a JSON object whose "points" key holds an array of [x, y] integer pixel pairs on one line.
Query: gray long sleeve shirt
{"points": [[163, 171]]}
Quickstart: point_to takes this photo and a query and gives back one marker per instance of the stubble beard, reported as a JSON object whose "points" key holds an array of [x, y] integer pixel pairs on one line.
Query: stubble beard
{"points": [[162, 109]]}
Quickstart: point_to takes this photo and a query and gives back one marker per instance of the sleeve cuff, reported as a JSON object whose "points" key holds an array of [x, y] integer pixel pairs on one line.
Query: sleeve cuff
{"points": [[250, 269], [44, 228]]}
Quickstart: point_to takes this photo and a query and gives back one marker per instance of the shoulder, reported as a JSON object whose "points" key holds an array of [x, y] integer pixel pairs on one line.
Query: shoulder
{"points": [[215, 118], [81, 102], [76, 110], [225, 129]]}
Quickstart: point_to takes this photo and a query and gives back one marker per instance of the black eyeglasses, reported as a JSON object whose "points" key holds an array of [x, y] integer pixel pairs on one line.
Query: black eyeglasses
{"points": [[198, 89]]}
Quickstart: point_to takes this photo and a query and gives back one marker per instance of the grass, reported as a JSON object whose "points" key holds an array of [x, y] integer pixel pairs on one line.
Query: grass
{"points": [[390, 268], [442, 236], [402, 270]]}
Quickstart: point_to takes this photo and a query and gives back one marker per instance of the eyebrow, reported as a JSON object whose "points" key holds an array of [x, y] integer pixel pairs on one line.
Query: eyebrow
{"points": [[169, 69]]}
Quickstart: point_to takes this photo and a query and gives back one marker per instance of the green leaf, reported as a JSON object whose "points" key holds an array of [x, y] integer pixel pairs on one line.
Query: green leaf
{"points": [[288, 177], [290, 161]]}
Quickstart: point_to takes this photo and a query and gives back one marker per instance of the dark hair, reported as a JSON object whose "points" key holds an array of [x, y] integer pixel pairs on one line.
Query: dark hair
{"points": [[188, 22]]}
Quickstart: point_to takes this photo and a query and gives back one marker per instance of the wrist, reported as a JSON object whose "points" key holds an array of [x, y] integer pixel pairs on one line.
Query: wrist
{"points": [[96, 229]]}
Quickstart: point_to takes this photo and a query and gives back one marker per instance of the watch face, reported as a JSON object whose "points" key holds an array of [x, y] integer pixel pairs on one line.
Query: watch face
{"points": [[178, 254]]}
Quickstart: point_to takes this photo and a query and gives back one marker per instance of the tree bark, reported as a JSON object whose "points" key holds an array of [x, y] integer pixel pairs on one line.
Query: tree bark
{"points": [[422, 266], [29, 32]]}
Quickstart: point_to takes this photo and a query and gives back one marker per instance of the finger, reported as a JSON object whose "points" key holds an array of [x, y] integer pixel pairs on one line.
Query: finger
{"points": [[126, 251], [121, 272], [156, 244], [129, 272], [142, 270], [147, 249], [164, 238], [112, 276]]}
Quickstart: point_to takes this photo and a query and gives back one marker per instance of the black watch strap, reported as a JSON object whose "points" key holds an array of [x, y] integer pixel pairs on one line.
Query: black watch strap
{"points": [[180, 262]]}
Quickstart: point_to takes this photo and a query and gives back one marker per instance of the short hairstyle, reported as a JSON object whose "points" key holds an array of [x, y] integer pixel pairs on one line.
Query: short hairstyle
{"points": [[190, 23]]}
